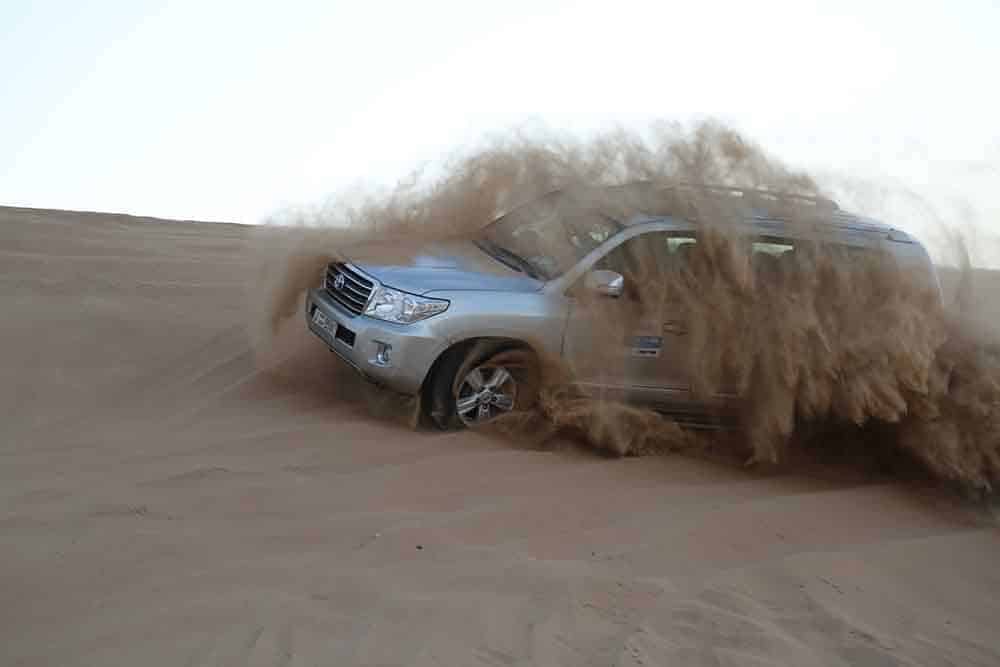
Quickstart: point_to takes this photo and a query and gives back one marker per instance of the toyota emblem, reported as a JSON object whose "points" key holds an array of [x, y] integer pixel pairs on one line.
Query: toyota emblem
{"points": [[338, 282]]}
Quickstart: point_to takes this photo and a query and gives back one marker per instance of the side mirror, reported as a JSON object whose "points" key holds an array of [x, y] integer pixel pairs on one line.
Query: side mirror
{"points": [[606, 283]]}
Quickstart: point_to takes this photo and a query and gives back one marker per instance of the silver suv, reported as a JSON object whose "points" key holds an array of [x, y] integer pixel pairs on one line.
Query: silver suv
{"points": [[465, 324]]}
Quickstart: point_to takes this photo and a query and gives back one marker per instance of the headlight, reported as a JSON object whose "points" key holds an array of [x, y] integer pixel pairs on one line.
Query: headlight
{"points": [[393, 305]]}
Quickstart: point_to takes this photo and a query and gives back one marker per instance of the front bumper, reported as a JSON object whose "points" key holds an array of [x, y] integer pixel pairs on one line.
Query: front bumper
{"points": [[358, 339]]}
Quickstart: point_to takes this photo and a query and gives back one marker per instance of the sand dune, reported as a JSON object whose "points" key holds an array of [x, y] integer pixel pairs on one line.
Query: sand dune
{"points": [[165, 502]]}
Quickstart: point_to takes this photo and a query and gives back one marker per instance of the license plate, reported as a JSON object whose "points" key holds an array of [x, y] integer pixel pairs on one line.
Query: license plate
{"points": [[322, 321]]}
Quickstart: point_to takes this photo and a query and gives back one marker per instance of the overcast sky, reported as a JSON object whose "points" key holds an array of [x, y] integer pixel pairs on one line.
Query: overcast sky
{"points": [[228, 110]]}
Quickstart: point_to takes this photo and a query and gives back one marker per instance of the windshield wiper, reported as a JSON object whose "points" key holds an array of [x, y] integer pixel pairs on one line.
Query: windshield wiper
{"points": [[527, 266], [491, 250], [508, 258]]}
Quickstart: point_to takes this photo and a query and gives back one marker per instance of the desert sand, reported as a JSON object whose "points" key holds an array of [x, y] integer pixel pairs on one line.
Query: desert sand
{"points": [[167, 502]]}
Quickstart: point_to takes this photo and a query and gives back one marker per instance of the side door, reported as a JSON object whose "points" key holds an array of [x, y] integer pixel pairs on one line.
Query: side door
{"points": [[632, 347]]}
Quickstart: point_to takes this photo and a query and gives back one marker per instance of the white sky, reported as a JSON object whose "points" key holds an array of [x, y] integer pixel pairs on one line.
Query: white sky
{"points": [[229, 110]]}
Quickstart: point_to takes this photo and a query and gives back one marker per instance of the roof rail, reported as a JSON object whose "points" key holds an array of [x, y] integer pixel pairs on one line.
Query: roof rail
{"points": [[759, 197], [756, 198]]}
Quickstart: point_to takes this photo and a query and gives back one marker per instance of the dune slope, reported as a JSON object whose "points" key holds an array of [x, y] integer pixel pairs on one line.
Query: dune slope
{"points": [[164, 502]]}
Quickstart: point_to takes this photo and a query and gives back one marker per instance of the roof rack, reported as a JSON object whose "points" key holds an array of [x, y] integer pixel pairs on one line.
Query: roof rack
{"points": [[756, 198], [759, 196]]}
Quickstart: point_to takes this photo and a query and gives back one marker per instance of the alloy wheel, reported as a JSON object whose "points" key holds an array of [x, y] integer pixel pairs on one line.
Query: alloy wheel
{"points": [[485, 393]]}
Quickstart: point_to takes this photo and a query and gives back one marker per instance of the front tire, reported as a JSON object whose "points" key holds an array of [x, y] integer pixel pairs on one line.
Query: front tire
{"points": [[476, 385]]}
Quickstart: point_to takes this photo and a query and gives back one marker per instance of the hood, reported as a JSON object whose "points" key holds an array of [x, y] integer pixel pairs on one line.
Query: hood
{"points": [[438, 265]]}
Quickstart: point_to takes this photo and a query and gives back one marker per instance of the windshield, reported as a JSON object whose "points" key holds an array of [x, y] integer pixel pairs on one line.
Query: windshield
{"points": [[550, 235]]}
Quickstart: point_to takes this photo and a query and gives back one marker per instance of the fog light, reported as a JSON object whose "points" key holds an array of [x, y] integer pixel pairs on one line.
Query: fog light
{"points": [[383, 354]]}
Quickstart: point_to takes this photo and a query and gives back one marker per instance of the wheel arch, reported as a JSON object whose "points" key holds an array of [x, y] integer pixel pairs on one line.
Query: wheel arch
{"points": [[492, 344], [456, 353]]}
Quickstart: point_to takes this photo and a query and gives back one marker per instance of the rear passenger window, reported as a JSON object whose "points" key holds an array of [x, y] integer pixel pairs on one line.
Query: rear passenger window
{"points": [[771, 259], [773, 247]]}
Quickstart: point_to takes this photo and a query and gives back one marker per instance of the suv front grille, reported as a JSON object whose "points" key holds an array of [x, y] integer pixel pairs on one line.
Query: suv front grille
{"points": [[352, 291]]}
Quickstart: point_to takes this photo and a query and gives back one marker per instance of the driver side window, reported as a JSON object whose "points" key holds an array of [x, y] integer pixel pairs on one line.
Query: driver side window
{"points": [[651, 256], [640, 261]]}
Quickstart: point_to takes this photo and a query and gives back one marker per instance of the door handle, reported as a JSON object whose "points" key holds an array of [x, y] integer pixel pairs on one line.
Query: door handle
{"points": [[675, 327]]}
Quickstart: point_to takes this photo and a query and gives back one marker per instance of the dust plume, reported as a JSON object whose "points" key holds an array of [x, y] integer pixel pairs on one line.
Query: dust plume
{"points": [[817, 335]]}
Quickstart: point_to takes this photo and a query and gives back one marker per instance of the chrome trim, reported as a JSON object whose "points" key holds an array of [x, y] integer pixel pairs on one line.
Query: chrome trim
{"points": [[356, 287]]}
